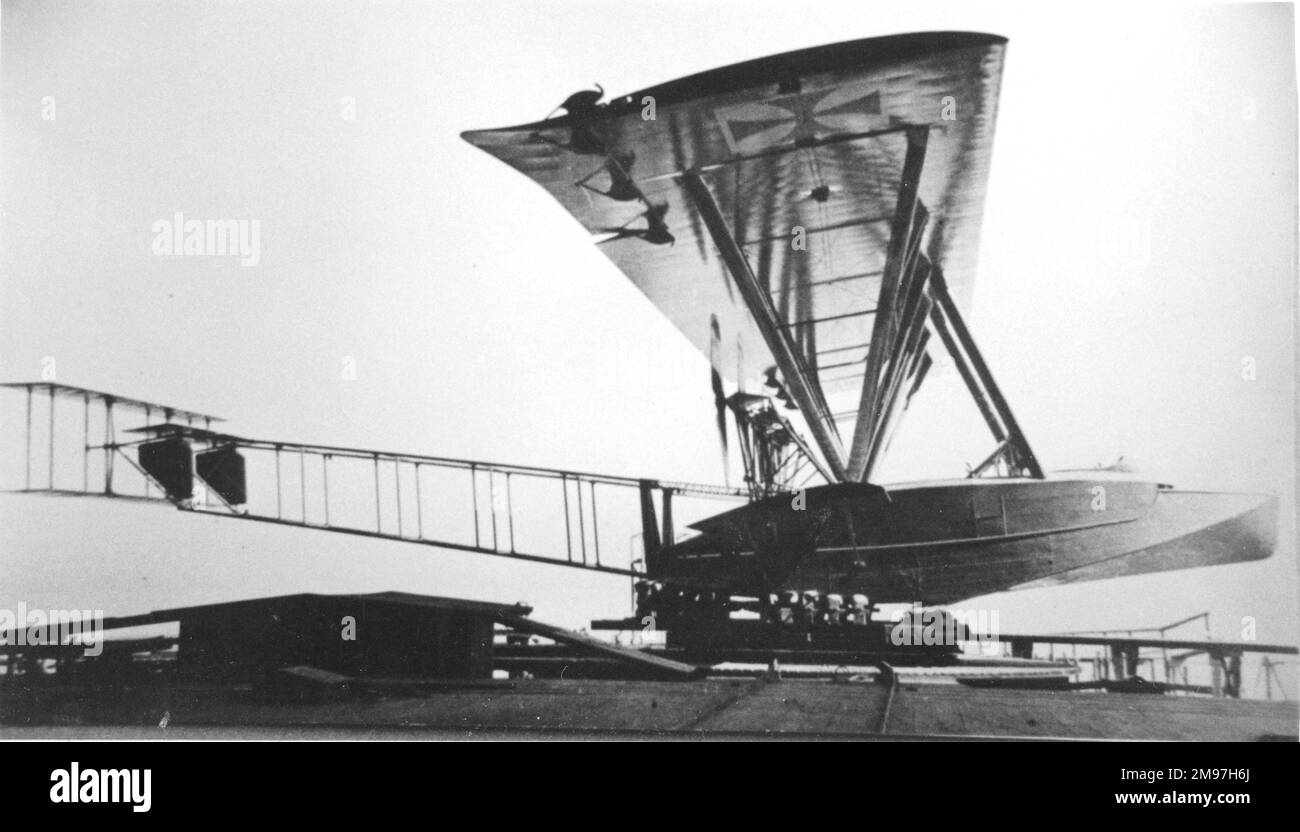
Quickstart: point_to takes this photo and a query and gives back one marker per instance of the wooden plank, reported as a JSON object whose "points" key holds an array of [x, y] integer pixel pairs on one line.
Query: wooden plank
{"points": [[668, 667], [1153, 641]]}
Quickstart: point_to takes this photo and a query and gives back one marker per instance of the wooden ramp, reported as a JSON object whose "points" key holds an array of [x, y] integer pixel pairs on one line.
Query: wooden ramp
{"points": [[658, 666]]}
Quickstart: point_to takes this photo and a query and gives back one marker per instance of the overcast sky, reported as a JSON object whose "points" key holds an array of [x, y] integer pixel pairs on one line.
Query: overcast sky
{"points": [[1138, 247]]}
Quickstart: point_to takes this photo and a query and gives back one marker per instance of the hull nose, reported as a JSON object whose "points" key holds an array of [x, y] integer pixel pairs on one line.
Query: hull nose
{"points": [[1187, 530], [1260, 525], [1227, 528]]}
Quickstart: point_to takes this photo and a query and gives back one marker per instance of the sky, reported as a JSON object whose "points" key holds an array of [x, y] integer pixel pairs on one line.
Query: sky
{"points": [[1139, 250]]}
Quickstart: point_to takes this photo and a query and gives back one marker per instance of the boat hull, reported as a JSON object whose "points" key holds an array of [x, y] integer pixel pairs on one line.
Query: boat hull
{"points": [[939, 543]]}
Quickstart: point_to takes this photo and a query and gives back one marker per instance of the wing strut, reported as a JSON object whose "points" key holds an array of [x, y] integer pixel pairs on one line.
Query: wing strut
{"points": [[903, 236], [788, 359], [1012, 447], [913, 293]]}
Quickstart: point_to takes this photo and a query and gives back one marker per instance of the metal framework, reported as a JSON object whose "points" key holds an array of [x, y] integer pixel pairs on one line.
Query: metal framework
{"points": [[1122, 657], [774, 454], [912, 308], [793, 368], [111, 404], [401, 487]]}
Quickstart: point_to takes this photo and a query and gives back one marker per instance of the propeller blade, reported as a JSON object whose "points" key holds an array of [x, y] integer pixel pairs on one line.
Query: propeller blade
{"points": [[720, 404], [719, 392]]}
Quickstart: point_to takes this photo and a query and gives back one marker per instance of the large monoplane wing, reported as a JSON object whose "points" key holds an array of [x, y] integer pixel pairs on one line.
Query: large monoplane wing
{"points": [[797, 206]]}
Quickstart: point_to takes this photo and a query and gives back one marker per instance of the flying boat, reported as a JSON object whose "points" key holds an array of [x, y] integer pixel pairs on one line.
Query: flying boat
{"points": [[810, 221]]}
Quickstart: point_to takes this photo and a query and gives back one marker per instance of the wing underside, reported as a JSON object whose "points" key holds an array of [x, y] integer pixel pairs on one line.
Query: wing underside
{"points": [[804, 202]]}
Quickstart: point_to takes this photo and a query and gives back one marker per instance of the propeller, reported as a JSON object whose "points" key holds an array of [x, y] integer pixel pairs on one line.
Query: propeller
{"points": [[719, 393]]}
